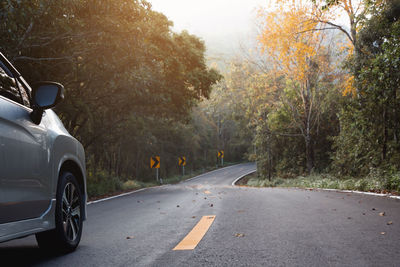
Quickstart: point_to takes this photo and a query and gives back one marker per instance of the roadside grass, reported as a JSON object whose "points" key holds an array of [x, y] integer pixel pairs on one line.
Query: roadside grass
{"points": [[101, 184], [390, 184]]}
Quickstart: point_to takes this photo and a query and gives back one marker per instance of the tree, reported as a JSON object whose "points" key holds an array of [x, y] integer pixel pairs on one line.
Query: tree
{"points": [[302, 56], [325, 12], [369, 136], [128, 76]]}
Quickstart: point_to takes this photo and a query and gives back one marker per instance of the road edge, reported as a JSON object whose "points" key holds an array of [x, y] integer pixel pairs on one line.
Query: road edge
{"points": [[121, 195], [358, 192], [240, 177], [145, 188], [328, 189]]}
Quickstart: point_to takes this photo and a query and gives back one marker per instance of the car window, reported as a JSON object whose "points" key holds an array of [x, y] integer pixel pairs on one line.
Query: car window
{"points": [[8, 88], [24, 93], [11, 88]]}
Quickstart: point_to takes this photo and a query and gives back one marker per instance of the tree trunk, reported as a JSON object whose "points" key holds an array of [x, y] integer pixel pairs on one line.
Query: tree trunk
{"points": [[269, 157], [385, 135], [137, 163], [357, 52], [396, 117], [118, 161], [307, 125], [309, 153]]}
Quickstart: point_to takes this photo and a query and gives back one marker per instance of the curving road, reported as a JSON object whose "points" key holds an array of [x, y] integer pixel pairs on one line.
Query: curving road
{"points": [[252, 227]]}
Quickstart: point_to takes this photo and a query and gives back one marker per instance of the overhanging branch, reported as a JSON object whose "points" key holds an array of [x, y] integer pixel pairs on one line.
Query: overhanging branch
{"points": [[336, 26]]}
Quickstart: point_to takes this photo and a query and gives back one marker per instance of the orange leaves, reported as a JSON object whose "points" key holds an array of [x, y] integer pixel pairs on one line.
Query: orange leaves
{"points": [[290, 39], [349, 88]]}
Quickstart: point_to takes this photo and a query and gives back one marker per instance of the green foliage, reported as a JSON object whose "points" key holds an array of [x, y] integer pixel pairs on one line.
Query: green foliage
{"points": [[279, 127], [135, 88], [130, 81], [100, 184], [370, 124], [131, 185], [369, 183], [393, 183], [350, 136]]}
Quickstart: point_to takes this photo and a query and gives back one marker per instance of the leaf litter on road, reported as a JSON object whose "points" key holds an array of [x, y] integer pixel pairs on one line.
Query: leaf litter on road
{"points": [[382, 213], [239, 235]]}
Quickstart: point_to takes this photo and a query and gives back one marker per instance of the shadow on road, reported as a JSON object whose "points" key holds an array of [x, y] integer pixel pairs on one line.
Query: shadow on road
{"points": [[25, 256]]}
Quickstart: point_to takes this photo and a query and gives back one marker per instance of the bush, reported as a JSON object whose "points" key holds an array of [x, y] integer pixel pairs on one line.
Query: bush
{"points": [[375, 181], [362, 185], [393, 182], [131, 185], [101, 183]]}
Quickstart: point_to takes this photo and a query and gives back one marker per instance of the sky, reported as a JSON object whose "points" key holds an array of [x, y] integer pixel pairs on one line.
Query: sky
{"points": [[223, 24], [228, 27]]}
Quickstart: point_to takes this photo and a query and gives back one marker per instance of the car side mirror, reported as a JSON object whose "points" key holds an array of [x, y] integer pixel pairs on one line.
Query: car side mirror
{"points": [[45, 95]]}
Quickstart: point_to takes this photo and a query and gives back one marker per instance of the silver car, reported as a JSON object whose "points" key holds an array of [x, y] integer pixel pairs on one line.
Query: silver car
{"points": [[42, 167]]}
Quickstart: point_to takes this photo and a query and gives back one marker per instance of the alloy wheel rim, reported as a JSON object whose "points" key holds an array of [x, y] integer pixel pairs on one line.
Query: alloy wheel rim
{"points": [[71, 211]]}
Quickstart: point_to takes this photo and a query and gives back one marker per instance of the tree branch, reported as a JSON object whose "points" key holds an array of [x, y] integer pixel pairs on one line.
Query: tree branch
{"points": [[320, 29], [28, 30], [339, 28]]}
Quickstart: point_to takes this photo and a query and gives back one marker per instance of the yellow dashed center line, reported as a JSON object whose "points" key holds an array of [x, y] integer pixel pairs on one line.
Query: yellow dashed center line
{"points": [[197, 233]]}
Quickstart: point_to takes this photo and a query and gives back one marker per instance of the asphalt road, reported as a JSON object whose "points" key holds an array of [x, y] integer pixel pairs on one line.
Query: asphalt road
{"points": [[252, 227]]}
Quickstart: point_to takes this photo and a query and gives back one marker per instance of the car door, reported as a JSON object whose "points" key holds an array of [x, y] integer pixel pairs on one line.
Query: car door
{"points": [[25, 174]]}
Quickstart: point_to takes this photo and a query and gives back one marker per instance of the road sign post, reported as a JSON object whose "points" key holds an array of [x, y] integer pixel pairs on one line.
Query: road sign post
{"points": [[220, 155], [155, 164], [182, 162]]}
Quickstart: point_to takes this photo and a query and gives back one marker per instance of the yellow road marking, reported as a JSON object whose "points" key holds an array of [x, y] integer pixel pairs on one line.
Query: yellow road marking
{"points": [[197, 233]]}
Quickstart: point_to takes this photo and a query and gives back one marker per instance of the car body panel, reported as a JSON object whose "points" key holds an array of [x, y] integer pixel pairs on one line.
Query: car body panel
{"points": [[60, 147], [12, 230], [25, 176], [31, 159]]}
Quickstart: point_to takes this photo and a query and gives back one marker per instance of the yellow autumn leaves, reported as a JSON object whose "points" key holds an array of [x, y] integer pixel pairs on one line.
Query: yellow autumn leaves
{"points": [[294, 37], [290, 40]]}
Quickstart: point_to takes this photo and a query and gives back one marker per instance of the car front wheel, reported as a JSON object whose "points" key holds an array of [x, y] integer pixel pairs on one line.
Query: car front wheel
{"points": [[69, 208]]}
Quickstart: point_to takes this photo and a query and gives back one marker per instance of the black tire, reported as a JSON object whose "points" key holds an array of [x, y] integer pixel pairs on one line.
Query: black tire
{"points": [[68, 217]]}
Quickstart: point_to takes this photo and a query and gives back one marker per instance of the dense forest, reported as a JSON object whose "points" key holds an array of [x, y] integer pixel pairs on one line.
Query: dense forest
{"points": [[317, 97], [324, 97], [132, 85]]}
